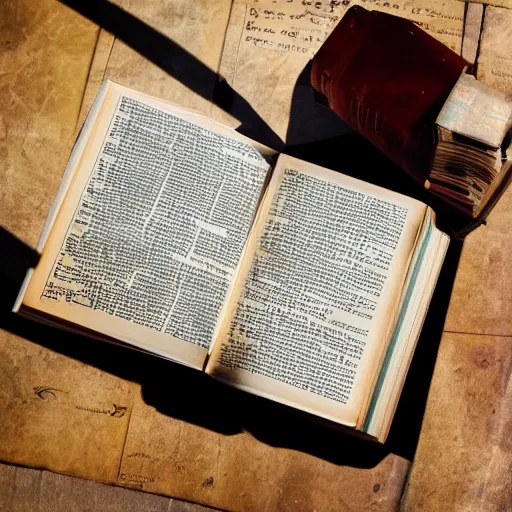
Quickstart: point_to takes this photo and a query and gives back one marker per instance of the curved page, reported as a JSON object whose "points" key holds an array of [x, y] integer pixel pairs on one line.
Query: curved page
{"points": [[320, 292]]}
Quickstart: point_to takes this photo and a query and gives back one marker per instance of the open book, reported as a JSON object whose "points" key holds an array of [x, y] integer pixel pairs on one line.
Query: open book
{"points": [[176, 235]]}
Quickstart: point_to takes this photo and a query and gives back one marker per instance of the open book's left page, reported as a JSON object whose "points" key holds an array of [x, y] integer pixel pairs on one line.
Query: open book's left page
{"points": [[148, 237]]}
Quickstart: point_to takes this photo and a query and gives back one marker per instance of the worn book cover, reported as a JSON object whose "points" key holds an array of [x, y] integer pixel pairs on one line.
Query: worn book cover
{"points": [[409, 95]]}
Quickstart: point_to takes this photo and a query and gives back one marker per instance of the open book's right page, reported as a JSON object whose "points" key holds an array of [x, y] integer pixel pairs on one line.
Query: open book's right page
{"points": [[319, 291]]}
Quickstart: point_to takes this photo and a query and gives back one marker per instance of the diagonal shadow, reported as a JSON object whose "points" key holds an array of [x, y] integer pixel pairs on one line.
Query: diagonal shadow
{"points": [[178, 63], [15, 258]]}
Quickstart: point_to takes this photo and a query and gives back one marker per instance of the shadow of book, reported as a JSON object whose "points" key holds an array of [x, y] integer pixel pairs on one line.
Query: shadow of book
{"points": [[15, 258], [316, 135], [194, 397], [178, 63]]}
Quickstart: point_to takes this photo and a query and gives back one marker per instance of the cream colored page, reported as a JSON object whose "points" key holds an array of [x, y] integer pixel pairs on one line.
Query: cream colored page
{"points": [[313, 315], [153, 228], [269, 42]]}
